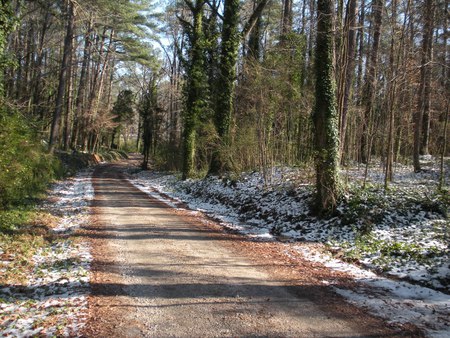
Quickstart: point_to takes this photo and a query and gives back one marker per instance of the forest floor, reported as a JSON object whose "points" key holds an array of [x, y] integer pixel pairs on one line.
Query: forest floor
{"points": [[248, 280]]}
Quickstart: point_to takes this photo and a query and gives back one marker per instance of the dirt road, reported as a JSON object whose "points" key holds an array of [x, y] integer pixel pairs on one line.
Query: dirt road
{"points": [[164, 273]]}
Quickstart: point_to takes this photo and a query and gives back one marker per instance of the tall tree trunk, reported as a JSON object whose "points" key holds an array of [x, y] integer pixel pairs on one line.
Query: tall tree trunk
{"points": [[347, 71], [103, 69], [325, 117], [56, 122], [310, 47], [429, 27], [227, 77], [444, 149], [195, 88], [371, 81], [82, 86], [39, 61], [96, 88], [69, 96], [173, 104], [424, 95], [254, 41], [391, 89], [360, 42], [286, 22]]}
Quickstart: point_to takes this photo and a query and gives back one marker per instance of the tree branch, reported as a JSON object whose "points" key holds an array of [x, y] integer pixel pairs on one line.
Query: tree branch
{"points": [[253, 18], [214, 9]]}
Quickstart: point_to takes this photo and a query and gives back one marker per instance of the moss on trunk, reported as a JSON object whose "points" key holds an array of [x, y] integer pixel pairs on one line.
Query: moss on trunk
{"points": [[325, 117]]}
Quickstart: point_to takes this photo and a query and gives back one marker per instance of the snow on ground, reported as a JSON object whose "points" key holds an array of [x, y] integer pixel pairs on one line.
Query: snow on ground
{"points": [[396, 301], [53, 300], [403, 232]]}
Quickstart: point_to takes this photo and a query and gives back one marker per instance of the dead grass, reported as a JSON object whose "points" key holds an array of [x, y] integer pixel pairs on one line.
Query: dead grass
{"points": [[19, 246]]}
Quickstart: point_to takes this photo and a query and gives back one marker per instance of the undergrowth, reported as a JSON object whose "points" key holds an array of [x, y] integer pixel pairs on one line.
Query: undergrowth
{"points": [[26, 168]]}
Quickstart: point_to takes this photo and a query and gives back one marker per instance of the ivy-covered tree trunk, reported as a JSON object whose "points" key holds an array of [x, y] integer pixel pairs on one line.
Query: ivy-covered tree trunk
{"points": [[325, 117], [195, 89], [227, 77]]}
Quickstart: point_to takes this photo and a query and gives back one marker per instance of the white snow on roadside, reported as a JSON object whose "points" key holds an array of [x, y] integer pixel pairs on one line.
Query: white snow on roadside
{"points": [[395, 301], [74, 196], [227, 217], [152, 193], [397, 222], [57, 288]]}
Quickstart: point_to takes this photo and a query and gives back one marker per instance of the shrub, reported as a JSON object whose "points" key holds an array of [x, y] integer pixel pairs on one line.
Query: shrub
{"points": [[25, 167]]}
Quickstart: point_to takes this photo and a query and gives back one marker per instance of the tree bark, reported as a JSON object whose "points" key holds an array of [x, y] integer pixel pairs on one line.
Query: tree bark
{"points": [[68, 112], [360, 42], [421, 118], [347, 72], [195, 88], [390, 104], [325, 117], [254, 40], [56, 122], [371, 81], [227, 76], [37, 110], [82, 86], [286, 23]]}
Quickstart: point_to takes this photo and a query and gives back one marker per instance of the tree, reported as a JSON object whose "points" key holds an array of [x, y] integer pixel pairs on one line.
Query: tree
{"points": [[347, 68], [56, 122], [231, 38], [149, 113], [227, 77], [123, 112], [7, 21], [325, 117], [196, 85], [371, 80], [286, 22], [422, 116]]}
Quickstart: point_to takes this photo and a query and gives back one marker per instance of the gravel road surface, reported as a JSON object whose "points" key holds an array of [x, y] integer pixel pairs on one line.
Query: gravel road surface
{"points": [[160, 272]]}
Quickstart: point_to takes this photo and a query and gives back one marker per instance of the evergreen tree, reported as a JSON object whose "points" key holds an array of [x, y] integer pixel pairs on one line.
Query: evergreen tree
{"points": [[123, 112]]}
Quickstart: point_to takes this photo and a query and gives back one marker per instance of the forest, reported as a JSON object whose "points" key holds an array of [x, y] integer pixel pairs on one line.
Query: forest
{"points": [[224, 164], [213, 87]]}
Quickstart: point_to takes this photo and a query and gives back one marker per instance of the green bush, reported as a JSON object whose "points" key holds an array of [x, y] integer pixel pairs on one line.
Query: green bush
{"points": [[25, 167]]}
